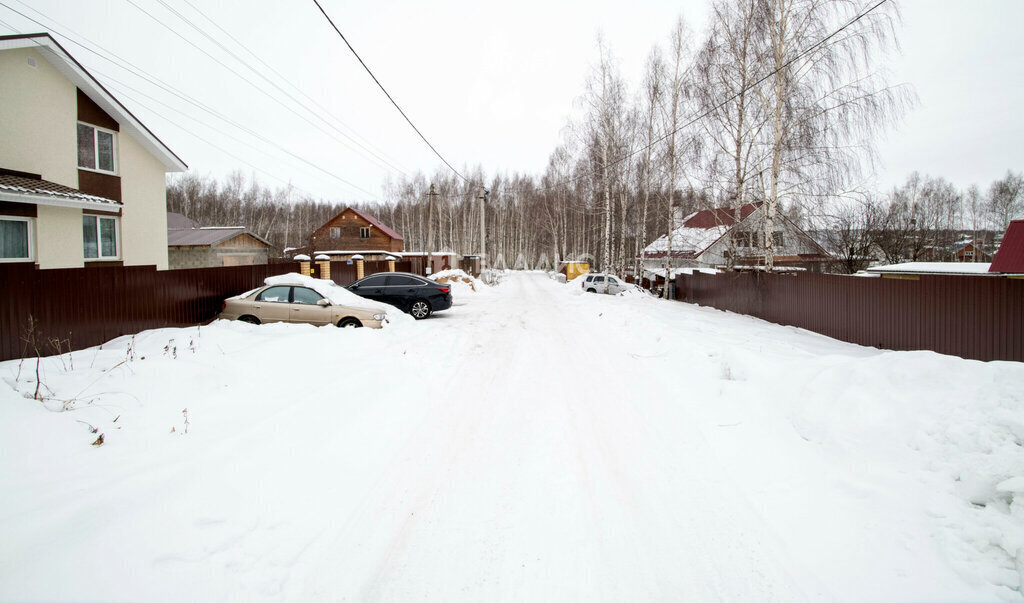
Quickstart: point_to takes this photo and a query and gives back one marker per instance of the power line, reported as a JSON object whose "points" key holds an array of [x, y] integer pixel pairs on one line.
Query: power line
{"points": [[370, 147], [121, 86], [379, 85], [285, 105], [138, 72]]}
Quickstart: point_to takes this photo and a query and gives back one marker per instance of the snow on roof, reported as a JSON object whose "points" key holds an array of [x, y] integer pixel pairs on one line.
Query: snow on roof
{"points": [[700, 230], [687, 240], [360, 251], [27, 188], [1010, 256], [660, 272], [932, 268]]}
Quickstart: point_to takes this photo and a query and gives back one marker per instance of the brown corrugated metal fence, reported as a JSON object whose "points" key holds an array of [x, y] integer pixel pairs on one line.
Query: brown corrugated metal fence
{"points": [[88, 306], [973, 317]]}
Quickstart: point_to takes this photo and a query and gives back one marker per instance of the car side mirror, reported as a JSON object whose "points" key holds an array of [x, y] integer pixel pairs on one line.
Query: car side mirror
{"points": [[323, 302]]}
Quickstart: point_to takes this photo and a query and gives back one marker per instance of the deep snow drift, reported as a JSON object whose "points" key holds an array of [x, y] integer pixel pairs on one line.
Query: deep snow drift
{"points": [[526, 444]]}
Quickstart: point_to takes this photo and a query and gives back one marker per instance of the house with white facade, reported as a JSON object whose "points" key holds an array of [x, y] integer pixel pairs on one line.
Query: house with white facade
{"points": [[82, 180], [704, 239]]}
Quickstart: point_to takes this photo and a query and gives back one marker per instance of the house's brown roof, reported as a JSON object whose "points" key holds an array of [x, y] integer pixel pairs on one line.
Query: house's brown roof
{"points": [[200, 237], [1010, 257], [375, 222], [30, 185], [175, 221], [719, 216]]}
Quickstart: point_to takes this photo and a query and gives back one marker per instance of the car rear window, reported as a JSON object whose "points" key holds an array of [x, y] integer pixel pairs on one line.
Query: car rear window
{"points": [[403, 281], [598, 279], [373, 281]]}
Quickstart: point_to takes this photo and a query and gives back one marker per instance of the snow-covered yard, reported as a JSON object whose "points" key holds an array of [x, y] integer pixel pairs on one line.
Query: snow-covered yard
{"points": [[528, 444]]}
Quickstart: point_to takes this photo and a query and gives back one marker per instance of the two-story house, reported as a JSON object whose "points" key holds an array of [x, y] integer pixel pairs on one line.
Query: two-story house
{"points": [[354, 232], [82, 180], [706, 238]]}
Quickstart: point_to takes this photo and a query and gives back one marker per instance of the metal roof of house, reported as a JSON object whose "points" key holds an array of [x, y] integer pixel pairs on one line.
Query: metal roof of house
{"points": [[719, 216], [1010, 256], [210, 235], [17, 187], [374, 221], [176, 221], [70, 68]]}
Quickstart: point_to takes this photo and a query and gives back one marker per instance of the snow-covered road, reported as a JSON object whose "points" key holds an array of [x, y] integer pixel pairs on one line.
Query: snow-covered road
{"points": [[528, 444]]}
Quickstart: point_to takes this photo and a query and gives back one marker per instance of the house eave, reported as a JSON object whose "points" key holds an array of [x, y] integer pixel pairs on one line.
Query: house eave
{"points": [[108, 206], [70, 68]]}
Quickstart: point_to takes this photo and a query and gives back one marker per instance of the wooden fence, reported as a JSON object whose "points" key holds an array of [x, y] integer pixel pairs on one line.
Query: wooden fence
{"points": [[968, 316]]}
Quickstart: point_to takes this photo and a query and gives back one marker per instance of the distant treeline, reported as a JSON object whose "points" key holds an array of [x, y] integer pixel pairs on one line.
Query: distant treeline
{"points": [[768, 105]]}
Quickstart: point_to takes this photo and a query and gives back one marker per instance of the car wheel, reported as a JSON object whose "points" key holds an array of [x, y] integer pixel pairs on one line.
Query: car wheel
{"points": [[349, 323], [419, 309], [591, 290], [249, 319]]}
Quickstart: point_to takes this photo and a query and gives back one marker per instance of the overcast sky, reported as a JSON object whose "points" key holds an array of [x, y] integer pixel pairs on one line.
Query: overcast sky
{"points": [[487, 83]]}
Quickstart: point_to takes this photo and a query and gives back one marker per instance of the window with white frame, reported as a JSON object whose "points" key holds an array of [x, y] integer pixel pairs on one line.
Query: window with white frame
{"points": [[100, 237], [96, 149], [335, 232], [15, 239], [364, 232]]}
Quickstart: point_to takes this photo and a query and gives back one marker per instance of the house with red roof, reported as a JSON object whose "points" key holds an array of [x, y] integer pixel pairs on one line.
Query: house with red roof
{"points": [[707, 238], [1010, 257], [355, 232]]}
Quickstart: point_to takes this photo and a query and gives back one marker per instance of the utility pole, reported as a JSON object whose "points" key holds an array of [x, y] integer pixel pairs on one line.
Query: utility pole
{"points": [[483, 229], [430, 233]]}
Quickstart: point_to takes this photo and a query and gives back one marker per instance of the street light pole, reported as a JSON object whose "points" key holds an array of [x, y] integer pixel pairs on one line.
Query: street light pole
{"points": [[483, 228], [430, 234]]}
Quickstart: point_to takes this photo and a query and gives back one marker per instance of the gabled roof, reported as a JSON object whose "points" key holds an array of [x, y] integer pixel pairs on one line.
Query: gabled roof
{"points": [[699, 231], [18, 187], [208, 235], [1010, 257], [178, 221], [375, 222], [719, 216], [55, 54]]}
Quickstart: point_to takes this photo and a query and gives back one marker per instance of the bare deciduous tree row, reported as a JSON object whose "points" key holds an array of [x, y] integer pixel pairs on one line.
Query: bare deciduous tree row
{"points": [[778, 103]]}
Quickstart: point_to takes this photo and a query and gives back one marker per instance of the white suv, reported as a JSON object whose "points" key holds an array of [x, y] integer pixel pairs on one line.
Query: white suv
{"points": [[603, 283]]}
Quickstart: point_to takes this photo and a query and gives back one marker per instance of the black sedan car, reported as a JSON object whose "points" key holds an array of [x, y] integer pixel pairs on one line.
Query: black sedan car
{"points": [[410, 293]]}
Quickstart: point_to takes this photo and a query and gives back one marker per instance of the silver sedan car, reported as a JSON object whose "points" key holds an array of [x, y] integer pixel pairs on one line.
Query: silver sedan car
{"points": [[296, 303]]}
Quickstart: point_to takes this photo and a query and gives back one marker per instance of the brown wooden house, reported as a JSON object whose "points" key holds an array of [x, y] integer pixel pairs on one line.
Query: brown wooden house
{"points": [[354, 232]]}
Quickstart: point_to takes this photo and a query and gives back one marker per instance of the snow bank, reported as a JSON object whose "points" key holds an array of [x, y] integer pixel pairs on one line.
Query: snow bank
{"points": [[575, 286], [339, 295], [461, 282]]}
